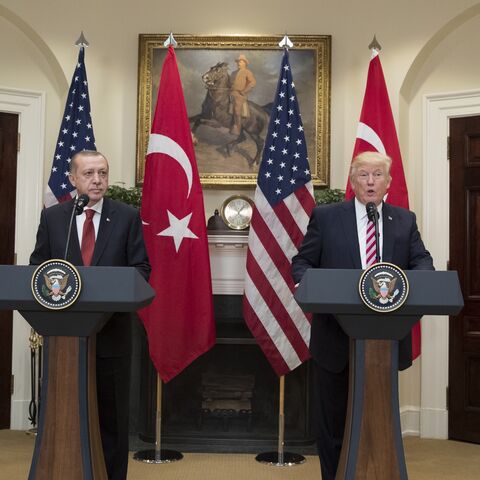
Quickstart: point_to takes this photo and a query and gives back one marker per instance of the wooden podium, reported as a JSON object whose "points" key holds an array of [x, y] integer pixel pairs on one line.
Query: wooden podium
{"points": [[372, 446], [68, 443]]}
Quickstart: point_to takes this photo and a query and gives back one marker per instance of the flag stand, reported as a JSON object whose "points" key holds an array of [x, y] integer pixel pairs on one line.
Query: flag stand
{"points": [[281, 458], [36, 346], [158, 455]]}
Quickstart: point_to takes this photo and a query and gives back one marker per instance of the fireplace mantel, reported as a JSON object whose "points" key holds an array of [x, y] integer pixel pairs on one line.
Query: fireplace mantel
{"points": [[228, 254]]}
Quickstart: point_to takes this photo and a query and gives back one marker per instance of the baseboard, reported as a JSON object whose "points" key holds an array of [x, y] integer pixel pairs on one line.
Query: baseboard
{"points": [[434, 423], [19, 415], [410, 420]]}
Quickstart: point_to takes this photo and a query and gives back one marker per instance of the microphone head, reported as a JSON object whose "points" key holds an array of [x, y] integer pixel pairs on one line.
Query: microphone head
{"points": [[372, 213], [81, 203]]}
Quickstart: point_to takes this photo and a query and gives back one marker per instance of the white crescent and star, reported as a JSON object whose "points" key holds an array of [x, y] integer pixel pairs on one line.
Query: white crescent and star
{"points": [[178, 227]]}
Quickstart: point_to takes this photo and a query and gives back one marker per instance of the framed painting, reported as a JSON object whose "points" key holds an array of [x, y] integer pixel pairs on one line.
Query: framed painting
{"points": [[227, 158]]}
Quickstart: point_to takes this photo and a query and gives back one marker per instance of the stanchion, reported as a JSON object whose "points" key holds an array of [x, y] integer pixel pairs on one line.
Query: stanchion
{"points": [[35, 341], [158, 455], [281, 458]]}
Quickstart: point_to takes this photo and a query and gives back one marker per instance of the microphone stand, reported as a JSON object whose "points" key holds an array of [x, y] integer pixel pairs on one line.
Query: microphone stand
{"points": [[72, 216], [79, 204]]}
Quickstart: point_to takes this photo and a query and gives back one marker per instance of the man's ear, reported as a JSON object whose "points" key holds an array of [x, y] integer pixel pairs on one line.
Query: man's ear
{"points": [[389, 182], [352, 185], [72, 180]]}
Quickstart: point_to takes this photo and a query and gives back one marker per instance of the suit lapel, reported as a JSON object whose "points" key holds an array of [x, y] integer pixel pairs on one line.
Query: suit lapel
{"points": [[388, 233], [349, 223], [105, 229]]}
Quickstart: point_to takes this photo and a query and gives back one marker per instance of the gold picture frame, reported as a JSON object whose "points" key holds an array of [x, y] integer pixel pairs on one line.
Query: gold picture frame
{"points": [[220, 164]]}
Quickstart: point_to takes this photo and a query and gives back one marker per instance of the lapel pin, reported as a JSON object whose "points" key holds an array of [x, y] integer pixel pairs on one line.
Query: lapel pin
{"points": [[109, 219], [389, 217]]}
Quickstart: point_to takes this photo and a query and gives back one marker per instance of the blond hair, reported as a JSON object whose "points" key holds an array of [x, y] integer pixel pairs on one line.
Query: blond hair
{"points": [[370, 159]]}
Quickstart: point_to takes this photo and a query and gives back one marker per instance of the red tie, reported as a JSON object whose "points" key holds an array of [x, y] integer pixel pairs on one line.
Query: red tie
{"points": [[88, 238], [371, 248]]}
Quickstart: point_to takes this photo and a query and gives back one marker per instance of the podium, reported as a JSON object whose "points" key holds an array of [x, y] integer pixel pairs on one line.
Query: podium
{"points": [[68, 443], [372, 445]]}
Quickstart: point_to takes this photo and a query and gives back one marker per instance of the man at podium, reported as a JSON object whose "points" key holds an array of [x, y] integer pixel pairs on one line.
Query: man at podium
{"points": [[341, 236], [107, 233]]}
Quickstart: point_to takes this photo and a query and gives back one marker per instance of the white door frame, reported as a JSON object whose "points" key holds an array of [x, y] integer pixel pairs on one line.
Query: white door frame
{"points": [[437, 111], [30, 106]]}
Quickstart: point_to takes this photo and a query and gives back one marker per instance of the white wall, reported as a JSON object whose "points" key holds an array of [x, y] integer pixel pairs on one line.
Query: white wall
{"points": [[428, 47]]}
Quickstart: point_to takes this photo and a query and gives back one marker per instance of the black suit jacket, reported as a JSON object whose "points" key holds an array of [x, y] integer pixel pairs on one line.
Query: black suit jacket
{"points": [[119, 243], [331, 241]]}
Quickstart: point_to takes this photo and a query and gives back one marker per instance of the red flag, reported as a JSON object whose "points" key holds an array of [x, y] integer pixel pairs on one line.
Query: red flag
{"points": [[179, 322], [283, 204], [376, 131]]}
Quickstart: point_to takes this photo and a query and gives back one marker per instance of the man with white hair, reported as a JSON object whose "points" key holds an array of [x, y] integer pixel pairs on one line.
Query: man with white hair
{"points": [[338, 236], [107, 233]]}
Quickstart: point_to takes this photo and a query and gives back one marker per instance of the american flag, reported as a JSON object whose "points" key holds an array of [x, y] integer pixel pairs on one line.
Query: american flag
{"points": [[76, 134], [283, 205]]}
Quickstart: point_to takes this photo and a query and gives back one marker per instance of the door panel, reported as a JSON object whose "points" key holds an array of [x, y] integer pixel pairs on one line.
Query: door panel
{"points": [[464, 349], [8, 181]]}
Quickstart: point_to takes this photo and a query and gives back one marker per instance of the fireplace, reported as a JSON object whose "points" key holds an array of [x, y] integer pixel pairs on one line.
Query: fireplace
{"points": [[227, 400]]}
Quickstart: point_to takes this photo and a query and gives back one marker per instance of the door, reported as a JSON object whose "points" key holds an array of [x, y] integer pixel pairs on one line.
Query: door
{"points": [[8, 182], [464, 348]]}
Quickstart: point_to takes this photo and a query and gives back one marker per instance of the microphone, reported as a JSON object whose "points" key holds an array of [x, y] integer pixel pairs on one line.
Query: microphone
{"points": [[78, 206], [372, 214], [80, 203]]}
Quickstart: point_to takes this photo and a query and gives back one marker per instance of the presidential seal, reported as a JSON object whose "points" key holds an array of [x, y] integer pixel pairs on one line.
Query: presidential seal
{"points": [[383, 287], [56, 284]]}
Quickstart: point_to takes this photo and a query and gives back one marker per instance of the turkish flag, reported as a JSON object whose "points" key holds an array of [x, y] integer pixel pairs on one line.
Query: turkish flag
{"points": [[179, 322], [376, 132]]}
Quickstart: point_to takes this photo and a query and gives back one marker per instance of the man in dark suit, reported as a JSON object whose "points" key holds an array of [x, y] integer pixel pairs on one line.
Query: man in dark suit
{"points": [[337, 238], [116, 236]]}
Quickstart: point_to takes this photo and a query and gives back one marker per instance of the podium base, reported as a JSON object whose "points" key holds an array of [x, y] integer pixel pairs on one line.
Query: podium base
{"points": [[149, 456], [273, 459]]}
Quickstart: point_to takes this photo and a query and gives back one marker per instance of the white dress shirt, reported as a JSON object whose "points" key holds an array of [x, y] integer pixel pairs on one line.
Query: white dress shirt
{"points": [[96, 220], [362, 221]]}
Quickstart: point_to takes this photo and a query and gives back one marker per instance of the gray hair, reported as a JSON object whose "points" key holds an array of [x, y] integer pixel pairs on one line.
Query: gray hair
{"points": [[84, 153]]}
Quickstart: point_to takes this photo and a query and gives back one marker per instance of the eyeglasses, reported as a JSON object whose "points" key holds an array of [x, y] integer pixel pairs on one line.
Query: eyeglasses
{"points": [[364, 176]]}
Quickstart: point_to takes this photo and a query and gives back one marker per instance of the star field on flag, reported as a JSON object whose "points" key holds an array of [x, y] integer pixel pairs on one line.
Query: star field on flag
{"points": [[76, 134]]}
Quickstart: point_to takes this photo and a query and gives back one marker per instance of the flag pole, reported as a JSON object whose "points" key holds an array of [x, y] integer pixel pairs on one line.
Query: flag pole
{"points": [[280, 458], [158, 455], [281, 421]]}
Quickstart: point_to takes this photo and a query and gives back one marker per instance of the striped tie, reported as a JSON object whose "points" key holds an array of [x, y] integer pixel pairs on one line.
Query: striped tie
{"points": [[371, 248]]}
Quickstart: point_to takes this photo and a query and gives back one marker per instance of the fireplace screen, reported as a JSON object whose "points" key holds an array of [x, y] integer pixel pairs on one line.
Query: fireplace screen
{"points": [[227, 400]]}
